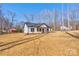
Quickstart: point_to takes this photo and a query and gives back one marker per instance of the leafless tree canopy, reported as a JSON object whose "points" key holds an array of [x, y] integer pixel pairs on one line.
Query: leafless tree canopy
{"points": [[52, 18]]}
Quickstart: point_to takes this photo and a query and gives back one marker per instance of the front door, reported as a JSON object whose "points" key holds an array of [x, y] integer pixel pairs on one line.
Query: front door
{"points": [[43, 30]]}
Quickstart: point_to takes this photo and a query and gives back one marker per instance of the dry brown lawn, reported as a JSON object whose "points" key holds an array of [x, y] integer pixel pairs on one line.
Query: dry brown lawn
{"points": [[13, 37], [51, 44]]}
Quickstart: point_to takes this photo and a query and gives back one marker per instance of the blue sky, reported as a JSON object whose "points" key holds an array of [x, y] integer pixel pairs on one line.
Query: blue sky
{"points": [[33, 8]]}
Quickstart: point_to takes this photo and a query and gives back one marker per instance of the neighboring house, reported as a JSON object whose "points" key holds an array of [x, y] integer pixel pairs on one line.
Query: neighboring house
{"points": [[64, 28], [36, 28], [12, 30]]}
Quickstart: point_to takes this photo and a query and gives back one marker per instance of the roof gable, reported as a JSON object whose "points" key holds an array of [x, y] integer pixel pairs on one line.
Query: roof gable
{"points": [[29, 24], [43, 25]]}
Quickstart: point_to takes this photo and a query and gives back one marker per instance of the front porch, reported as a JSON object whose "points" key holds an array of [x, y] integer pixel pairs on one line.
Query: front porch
{"points": [[43, 30]]}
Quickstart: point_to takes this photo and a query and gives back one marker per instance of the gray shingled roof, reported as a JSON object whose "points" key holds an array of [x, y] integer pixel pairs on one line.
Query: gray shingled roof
{"points": [[29, 24]]}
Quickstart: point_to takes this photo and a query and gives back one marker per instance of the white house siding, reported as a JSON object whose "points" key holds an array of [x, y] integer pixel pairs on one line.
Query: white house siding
{"points": [[29, 29], [25, 28], [35, 30], [49, 29]]}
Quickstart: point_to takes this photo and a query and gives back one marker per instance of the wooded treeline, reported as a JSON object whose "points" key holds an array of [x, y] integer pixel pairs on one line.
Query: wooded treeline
{"points": [[54, 18]]}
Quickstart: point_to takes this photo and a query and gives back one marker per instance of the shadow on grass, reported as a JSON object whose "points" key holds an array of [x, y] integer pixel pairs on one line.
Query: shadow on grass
{"points": [[1, 42], [72, 35], [18, 42]]}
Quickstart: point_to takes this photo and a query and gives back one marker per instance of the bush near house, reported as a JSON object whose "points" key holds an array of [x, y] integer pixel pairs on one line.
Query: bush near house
{"points": [[19, 30]]}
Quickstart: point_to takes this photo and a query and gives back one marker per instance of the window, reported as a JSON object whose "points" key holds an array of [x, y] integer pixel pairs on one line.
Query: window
{"points": [[47, 29], [32, 29], [38, 29]]}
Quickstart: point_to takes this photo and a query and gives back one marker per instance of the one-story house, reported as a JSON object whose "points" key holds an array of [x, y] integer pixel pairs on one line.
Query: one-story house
{"points": [[36, 28]]}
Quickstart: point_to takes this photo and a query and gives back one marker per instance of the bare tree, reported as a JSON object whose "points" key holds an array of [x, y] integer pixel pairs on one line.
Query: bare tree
{"points": [[1, 19], [73, 19], [7, 24], [56, 23], [12, 17], [29, 17], [19, 26]]}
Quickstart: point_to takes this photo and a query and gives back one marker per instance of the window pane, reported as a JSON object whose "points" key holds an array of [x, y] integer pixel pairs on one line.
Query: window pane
{"points": [[38, 29], [32, 29]]}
